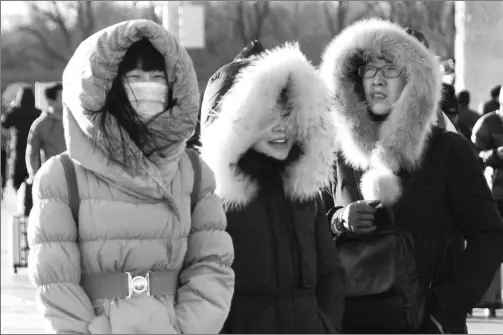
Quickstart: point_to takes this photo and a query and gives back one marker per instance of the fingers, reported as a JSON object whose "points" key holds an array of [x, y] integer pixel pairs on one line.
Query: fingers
{"points": [[365, 217], [363, 208], [373, 203], [364, 231]]}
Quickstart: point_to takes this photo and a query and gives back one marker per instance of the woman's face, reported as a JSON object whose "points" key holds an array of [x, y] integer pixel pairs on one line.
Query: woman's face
{"points": [[277, 137], [381, 91], [141, 76], [147, 91]]}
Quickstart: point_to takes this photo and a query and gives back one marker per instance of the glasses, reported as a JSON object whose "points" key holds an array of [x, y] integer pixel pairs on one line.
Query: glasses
{"points": [[388, 71]]}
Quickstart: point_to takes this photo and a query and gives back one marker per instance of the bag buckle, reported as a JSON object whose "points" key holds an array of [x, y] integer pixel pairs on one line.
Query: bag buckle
{"points": [[138, 285]]}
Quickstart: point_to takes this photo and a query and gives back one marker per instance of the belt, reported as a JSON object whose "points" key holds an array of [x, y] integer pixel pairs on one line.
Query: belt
{"points": [[124, 285]]}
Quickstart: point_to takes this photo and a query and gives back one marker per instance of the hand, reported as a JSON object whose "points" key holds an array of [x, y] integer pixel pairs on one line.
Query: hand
{"points": [[358, 217], [499, 152]]}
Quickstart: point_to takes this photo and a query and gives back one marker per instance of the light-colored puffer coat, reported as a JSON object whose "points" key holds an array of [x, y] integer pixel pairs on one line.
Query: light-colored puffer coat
{"points": [[125, 224]]}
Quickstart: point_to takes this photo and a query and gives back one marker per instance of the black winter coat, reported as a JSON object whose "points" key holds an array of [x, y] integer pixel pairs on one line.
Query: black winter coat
{"points": [[19, 119], [289, 278], [448, 198]]}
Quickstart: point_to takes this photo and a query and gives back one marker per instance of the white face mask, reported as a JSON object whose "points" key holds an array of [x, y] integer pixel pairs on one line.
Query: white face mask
{"points": [[147, 98]]}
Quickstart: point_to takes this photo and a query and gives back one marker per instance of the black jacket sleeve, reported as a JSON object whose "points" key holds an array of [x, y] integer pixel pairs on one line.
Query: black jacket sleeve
{"points": [[9, 118], [481, 138], [330, 290], [478, 219], [342, 192]]}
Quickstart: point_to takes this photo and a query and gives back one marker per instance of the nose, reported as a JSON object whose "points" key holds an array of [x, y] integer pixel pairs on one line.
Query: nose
{"points": [[281, 126], [147, 76], [379, 79]]}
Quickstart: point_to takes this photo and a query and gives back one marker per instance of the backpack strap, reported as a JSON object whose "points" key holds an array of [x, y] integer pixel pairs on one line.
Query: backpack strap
{"points": [[196, 165], [71, 180]]}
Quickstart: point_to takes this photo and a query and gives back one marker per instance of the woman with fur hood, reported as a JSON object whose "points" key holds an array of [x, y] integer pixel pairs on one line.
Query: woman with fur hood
{"points": [[145, 251], [268, 137], [385, 87]]}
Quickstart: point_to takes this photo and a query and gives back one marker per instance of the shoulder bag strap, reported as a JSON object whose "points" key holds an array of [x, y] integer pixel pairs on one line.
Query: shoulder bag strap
{"points": [[71, 180], [196, 165]]}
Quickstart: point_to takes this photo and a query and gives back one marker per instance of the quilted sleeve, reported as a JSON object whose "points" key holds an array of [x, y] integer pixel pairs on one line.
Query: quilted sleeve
{"points": [[54, 259], [207, 280]]}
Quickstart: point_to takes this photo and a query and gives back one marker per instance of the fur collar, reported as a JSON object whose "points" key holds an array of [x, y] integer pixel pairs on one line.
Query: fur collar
{"points": [[247, 105], [399, 142]]}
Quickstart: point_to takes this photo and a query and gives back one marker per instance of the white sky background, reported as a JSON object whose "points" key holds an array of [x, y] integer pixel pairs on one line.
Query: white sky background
{"points": [[13, 7], [20, 7], [14, 13]]}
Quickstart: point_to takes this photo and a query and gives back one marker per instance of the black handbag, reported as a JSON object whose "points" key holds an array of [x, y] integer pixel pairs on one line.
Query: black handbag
{"points": [[383, 292]]}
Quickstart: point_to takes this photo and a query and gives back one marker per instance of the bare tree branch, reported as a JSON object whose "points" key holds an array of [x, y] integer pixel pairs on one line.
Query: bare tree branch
{"points": [[85, 17], [44, 43], [241, 22], [296, 19], [328, 18], [261, 13], [369, 8], [57, 18], [54, 17]]}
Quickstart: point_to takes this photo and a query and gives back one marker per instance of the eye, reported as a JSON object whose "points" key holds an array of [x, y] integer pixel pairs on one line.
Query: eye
{"points": [[133, 76]]}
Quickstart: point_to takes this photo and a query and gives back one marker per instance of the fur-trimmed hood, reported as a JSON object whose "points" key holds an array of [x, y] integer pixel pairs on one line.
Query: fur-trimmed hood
{"points": [[399, 142], [234, 126], [88, 78]]}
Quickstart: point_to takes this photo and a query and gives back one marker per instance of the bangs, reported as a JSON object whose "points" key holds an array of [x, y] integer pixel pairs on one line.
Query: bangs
{"points": [[369, 56], [144, 56]]}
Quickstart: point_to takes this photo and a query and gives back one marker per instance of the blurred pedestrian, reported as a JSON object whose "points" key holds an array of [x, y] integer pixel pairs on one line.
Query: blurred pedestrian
{"points": [[268, 136], [46, 137], [449, 104], [18, 119], [467, 116], [492, 104], [407, 193], [4, 147], [488, 139], [146, 251]]}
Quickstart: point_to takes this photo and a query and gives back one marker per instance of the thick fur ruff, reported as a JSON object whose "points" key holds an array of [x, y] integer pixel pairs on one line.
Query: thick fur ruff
{"points": [[247, 106], [381, 184], [398, 142]]}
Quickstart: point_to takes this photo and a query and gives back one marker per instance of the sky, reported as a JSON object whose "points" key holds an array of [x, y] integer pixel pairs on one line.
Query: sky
{"points": [[12, 10], [12, 7]]}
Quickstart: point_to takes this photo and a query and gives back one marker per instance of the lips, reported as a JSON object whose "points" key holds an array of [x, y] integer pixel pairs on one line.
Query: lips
{"points": [[278, 141], [378, 95]]}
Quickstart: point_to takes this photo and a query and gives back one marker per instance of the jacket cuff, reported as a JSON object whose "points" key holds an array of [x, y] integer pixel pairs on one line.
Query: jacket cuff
{"points": [[337, 223]]}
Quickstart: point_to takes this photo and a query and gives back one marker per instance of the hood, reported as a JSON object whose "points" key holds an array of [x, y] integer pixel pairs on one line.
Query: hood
{"points": [[87, 80], [25, 97], [397, 143], [233, 127]]}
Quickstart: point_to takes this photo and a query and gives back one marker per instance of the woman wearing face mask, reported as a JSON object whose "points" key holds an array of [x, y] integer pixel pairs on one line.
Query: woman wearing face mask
{"points": [[386, 89], [267, 135], [137, 259]]}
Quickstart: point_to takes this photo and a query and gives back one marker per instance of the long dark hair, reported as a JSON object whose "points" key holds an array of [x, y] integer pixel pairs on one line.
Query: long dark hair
{"points": [[141, 55]]}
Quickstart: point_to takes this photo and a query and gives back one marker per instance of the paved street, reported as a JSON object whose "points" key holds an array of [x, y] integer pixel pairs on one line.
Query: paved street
{"points": [[18, 312]]}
